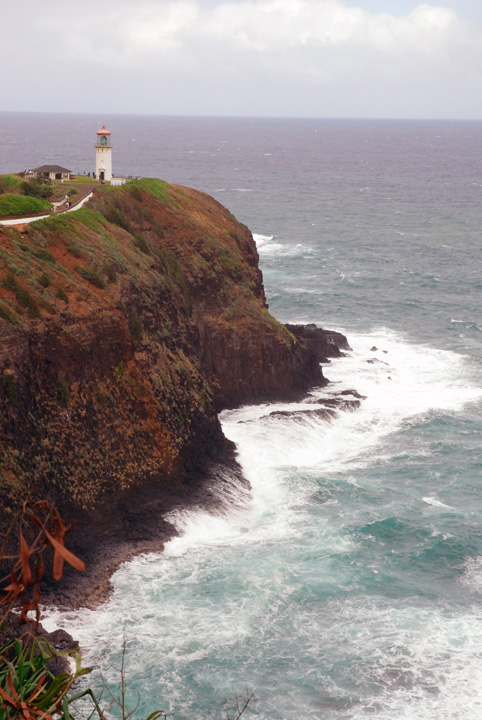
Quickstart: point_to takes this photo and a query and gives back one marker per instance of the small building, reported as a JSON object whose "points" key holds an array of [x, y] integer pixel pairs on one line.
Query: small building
{"points": [[52, 172], [118, 181]]}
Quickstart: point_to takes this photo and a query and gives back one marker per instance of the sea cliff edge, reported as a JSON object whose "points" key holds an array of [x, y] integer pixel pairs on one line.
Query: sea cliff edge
{"points": [[125, 328]]}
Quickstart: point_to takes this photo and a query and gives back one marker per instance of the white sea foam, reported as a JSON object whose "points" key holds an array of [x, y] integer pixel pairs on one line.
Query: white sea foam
{"points": [[436, 503], [261, 240], [268, 245], [472, 576], [401, 383], [423, 660], [405, 379], [200, 527]]}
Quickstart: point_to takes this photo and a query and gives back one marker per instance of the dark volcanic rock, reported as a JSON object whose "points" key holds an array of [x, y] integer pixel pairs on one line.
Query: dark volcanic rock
{"points": [[354, 393], [373, 361], [59, 640], [323, 413], [323, 344], [257, 368]]}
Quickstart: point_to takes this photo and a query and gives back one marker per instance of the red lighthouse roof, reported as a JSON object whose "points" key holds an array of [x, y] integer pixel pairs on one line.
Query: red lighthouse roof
{"points": [[103, 131]]}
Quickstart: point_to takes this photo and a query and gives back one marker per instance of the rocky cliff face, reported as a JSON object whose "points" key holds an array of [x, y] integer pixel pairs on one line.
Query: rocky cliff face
{"points": [[124, 327]]}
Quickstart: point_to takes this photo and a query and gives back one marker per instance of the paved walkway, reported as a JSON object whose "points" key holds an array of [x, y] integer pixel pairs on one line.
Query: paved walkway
{"points": [[61, 208]]}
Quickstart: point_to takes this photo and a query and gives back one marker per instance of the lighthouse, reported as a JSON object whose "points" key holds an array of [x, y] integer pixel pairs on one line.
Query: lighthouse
{"points": [[103, 156]]}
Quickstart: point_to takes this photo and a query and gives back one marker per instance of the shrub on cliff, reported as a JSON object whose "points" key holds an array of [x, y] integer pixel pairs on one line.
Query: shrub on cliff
{"points": [[29, 687], [36, 188]]}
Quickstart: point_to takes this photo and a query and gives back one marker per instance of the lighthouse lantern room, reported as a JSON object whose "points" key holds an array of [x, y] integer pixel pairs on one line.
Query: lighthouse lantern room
{"points": [[103, 156]]}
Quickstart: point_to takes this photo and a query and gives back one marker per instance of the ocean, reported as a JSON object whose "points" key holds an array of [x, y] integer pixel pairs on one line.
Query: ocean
{"points": [[348, 583]]}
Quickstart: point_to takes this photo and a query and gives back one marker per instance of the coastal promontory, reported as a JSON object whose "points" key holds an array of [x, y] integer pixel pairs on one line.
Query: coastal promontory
{"points": [[125, 327]]}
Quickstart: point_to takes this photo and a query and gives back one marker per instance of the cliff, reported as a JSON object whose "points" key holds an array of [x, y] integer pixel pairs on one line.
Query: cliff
{"points": [[124, 328]]}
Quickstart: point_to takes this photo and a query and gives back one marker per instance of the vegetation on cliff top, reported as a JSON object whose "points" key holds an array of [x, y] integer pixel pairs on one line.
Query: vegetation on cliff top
{"points": [[11, 204]]}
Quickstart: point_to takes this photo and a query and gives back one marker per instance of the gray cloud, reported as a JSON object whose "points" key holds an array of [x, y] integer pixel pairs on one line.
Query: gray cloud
{"points": [[249, 57]]}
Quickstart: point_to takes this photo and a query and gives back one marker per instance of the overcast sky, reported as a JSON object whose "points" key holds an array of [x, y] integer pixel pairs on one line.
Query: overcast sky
{"points": [[298, 58]]}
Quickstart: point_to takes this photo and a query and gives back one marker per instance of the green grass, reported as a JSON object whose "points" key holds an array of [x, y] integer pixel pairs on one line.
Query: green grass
{"points": [[21, 205], [90, 218], [57, 223], [135, 191], [159, 189]]}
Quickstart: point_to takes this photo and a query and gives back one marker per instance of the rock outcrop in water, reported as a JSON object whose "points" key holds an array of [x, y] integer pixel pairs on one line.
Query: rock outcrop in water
{"points": [[125, 327], [323, 344]]}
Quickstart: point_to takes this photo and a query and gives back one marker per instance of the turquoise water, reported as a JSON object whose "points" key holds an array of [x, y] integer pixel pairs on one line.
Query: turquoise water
{"points": [[348, 582]]}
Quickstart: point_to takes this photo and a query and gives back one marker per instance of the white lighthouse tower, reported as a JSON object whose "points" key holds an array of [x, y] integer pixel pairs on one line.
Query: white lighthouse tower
{"points": [[103, 156]]}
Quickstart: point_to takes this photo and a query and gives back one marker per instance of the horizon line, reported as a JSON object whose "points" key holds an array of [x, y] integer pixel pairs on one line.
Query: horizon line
{"points": [[246, 117]]}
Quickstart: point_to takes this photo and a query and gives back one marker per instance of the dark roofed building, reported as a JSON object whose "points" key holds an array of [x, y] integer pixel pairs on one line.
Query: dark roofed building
{"points": [[52, 172]]}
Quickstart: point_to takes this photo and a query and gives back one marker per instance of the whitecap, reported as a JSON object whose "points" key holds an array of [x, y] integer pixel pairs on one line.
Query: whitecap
{"points": [[436, 503], [472, 576], [262, 239], [267, 245]]}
